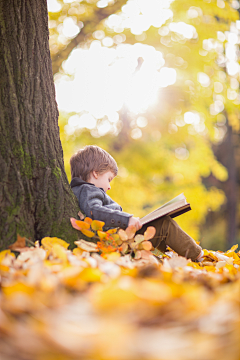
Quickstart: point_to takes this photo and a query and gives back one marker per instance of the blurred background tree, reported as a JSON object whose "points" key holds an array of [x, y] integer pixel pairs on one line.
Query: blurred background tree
{"points": [[156, 83]]}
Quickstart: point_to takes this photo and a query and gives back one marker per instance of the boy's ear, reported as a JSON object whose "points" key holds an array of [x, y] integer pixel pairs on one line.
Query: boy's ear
{"points": [[95, 174]]}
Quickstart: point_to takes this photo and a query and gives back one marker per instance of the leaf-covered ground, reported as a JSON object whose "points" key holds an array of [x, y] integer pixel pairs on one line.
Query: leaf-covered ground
{"points": [[61, 304]]}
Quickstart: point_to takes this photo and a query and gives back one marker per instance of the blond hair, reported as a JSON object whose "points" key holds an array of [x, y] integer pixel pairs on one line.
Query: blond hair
{"points": [[92, 158]]}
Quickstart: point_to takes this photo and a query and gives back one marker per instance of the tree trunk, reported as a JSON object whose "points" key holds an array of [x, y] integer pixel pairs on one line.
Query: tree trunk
{"points": [[35, 197], [226, 155]]}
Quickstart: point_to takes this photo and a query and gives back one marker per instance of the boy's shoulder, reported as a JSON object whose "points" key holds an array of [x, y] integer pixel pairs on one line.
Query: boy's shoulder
{"points": [[79, 184]]}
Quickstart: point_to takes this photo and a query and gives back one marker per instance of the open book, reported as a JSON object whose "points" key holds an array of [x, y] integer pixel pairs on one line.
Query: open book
{"points": [[173, 208]]}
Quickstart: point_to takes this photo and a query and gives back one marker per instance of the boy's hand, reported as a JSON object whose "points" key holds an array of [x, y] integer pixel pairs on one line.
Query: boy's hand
{"points": [[136, 222]]}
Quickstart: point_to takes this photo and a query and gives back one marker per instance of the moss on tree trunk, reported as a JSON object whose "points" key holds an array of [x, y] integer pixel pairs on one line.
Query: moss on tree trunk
{"points": [[35, 196]]}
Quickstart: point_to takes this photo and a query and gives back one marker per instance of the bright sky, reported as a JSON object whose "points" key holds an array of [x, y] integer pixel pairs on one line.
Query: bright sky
{"points": [[104, 78]]}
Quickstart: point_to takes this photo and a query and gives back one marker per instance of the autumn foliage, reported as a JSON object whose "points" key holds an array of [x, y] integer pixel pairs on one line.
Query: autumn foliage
{"points": [[117, 298]]}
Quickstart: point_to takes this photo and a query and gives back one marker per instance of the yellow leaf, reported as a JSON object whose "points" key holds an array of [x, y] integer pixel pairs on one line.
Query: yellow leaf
{"points": [[59, 252], [4, 268], [102, 234], [77, 251], [97, 225], [116, 237], [210, 268], [88, 233], [16, 288], [113, 294], [4, 253], [111, 231], [91, 275], [232, 254], [231, 269], [233, 248], [114, 256], [48, 242], [118, 241]]}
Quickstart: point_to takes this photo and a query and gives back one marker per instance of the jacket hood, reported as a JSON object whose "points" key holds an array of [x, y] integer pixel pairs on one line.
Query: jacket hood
{"points": [[78, 182]]}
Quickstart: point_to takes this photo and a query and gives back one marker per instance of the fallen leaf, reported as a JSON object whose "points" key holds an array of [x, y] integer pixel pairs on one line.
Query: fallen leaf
{"points": [[59, 252], [5, 253], [178, 261], [157, 252], [124, 248], [81, 215], [146, 254], [149, 233], [123, 235], [130, 231], [111, 231], [86, 245], [79, 225], [146, 245], [20, 243], [88, 233], [48, 242], [139, 238], [88, 220], [97, 225], [102, 234], [138, 255]]}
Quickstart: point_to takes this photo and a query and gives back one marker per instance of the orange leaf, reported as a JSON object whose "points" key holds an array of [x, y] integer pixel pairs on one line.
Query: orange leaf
{"points": [[130, 231], [97, 225], [123, 235], [88, 220], [149, 233], [88, 233], [79, 225], [20, 243], [146, 245]]}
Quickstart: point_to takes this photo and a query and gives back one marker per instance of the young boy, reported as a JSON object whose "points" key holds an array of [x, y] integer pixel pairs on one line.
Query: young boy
{"points": [[92, 170]]}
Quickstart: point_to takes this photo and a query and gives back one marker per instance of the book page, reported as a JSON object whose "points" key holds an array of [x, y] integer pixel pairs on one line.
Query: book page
{"points": [[177, 198], [174, 200], [164, 210]]}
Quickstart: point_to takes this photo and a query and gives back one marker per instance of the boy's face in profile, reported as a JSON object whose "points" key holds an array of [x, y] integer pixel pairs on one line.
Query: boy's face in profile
{"points": [[102, 180]]}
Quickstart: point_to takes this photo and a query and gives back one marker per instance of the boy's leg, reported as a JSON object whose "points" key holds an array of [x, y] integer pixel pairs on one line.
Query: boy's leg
{"points": [[168, 232]]}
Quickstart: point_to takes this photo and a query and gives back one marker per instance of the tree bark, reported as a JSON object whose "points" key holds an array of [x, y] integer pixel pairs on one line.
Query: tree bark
{"points": [[225, 153], [35, 197]]}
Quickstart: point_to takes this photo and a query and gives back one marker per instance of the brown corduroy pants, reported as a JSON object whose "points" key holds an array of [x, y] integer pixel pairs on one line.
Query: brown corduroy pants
{"points": [[168, 232]]}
